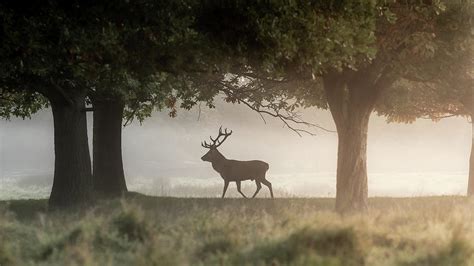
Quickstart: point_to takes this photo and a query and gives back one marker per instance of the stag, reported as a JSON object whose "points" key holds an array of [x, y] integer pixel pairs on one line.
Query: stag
{"points": [[233, 170]]}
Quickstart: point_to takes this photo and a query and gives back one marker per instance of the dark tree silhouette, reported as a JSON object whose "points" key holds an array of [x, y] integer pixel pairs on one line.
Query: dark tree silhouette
{"points": [[38, 42]]}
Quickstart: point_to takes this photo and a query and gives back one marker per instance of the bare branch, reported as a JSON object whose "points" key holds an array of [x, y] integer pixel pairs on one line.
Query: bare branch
{"points": [[199, 114], [130, 117], [263, 118], [274, 112]]}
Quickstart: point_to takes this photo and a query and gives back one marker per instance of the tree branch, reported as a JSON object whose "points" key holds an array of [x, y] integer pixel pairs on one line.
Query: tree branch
{"points": [[431, 117], [255, 76], [274, 112], [199, 114], [333, 85], [62, 92], [130, 117]]}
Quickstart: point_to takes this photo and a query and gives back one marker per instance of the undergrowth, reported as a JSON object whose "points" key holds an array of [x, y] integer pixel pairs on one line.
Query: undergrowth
{"points": [[143, 230]]}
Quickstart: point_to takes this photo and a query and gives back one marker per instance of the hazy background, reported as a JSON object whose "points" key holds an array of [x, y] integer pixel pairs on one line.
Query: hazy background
{"points": [[162, 156]]}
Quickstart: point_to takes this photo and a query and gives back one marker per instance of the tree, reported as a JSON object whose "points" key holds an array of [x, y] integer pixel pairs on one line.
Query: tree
{"points": [[37, 41], [352, 94], [146, 51]]}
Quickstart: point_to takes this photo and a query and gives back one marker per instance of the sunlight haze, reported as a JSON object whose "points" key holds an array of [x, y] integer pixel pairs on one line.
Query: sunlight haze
{"points": [[162, 156]]}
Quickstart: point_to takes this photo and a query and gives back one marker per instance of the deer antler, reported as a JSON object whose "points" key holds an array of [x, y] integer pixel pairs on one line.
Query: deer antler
{"points": [[205, 145], [215, 142]]}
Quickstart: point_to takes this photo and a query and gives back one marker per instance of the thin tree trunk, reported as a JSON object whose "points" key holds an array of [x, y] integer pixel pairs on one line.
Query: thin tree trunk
{"points": [[109, 177], [470, 183], [469, 105], [72, 169]]}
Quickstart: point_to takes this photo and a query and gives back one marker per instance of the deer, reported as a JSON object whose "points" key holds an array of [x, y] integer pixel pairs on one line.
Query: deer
{"points": [[233, 170]]}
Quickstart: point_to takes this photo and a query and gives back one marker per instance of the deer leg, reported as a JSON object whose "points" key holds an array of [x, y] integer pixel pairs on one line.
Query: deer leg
{"points": [[259, 186], [226, 184], [238, 189], [269, 185]]}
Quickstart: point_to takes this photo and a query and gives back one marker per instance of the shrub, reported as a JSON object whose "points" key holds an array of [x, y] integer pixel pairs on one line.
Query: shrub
{"points": [[215, 246], [316, 247], [131, 225], [457, 252], [70, 238], [6, 258]]}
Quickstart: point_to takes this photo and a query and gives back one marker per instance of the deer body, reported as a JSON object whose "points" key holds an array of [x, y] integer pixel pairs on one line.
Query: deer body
{"points": [[244, 170], [233, 170], [236, 171]]}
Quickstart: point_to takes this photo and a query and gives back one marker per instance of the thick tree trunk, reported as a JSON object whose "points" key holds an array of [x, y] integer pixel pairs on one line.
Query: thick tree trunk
{"points": [[351, 109], [72, 169], [470, 184], [109, 177], [352, 188]]}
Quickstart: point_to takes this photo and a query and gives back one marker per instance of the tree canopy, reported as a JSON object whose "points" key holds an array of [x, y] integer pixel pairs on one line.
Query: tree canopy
{"points": [[142, 52], [440, 86]]}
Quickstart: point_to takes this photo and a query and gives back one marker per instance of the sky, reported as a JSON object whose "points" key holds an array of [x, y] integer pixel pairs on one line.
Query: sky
{"points": [[162, 156]]}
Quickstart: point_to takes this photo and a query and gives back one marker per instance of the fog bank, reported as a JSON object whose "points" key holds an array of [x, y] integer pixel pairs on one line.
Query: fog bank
{"points": [[162, 156]]}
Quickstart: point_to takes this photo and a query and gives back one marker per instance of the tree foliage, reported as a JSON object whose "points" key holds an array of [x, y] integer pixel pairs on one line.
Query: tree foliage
{"points": [[143, 53], [440, 86], [20, 104], [280, 53]]}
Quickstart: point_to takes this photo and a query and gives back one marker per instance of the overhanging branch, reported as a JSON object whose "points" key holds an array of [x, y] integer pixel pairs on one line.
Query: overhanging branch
{"points": [[131, 116], [273, 111]]}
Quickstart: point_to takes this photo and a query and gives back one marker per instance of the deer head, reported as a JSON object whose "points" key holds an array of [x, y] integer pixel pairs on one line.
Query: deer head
{"points": [[213, 154]]}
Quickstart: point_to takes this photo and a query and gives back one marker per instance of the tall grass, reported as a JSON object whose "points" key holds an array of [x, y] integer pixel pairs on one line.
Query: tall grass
{"points": [[143, 230]]}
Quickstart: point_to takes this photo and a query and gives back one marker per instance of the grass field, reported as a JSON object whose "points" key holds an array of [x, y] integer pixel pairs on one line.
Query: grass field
{"points": [[141, 230]]}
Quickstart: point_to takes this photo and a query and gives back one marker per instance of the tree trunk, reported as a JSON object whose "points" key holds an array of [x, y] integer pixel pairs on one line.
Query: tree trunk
{"points": [[470, 183], [109, 177], [72, 168], [352, 188], [351, 109], [469, 105]]}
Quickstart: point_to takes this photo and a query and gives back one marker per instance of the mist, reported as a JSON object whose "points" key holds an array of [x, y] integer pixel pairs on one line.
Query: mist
{"points": [[162, 155]]}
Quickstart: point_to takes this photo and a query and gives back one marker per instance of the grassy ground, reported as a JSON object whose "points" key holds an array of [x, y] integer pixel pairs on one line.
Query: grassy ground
{"points": [[143, 230]]}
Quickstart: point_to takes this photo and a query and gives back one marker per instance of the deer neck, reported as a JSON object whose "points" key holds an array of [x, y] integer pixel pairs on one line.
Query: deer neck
{"points": [[219, 163]]}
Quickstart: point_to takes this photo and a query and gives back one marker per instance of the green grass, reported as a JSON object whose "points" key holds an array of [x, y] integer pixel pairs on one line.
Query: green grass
{"points": [[142, 230]]}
